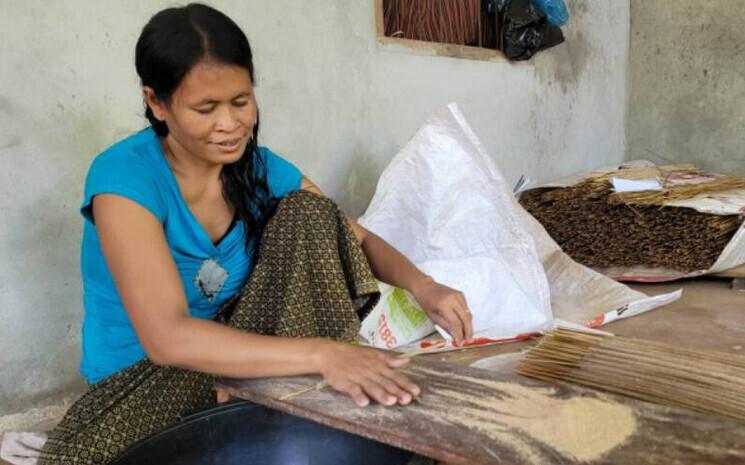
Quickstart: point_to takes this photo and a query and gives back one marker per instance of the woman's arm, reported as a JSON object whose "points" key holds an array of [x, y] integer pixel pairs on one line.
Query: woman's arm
{"points": [[149, 285], [445, 306]]}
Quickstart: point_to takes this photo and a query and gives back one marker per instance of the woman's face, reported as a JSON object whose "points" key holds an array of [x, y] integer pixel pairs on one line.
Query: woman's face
{"points": [[212, 112]]}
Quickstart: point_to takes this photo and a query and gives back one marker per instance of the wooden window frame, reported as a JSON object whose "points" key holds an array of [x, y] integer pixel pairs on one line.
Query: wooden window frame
{"points": [[421, 47]]}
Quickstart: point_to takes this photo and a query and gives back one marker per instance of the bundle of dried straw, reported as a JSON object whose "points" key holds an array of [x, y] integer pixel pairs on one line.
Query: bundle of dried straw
{"points": [[705, 381], [603, 229], [678, 182]]}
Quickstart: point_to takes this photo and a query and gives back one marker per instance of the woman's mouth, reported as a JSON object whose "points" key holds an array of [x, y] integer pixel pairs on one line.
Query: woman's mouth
{"points": [[229, 145]]}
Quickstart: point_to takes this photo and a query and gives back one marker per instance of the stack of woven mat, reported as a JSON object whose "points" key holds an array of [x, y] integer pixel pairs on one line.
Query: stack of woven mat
{"points": [[601, 228]]}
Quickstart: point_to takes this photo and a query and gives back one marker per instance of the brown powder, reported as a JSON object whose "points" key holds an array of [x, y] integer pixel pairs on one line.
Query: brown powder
{"points": [[579, 428]]}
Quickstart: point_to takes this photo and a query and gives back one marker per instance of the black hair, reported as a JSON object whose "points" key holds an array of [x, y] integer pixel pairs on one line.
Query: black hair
{"points": [[170, 44]]}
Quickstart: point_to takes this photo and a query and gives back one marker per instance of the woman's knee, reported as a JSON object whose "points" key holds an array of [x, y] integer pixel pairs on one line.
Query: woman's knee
{"points": [[305, 211]]}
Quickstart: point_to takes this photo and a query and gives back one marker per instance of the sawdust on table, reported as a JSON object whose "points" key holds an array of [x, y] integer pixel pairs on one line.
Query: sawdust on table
{"points": [[579, 428]]}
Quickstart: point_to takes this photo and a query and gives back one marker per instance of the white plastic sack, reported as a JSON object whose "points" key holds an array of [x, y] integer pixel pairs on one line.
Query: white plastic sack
{"points": [[444, 204], [22, 448]]}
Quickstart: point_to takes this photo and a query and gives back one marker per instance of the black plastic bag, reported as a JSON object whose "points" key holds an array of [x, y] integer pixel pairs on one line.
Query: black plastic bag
{"points": [[526, 30]]}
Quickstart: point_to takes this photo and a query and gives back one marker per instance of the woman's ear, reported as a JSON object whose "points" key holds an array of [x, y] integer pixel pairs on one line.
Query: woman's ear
{"points": [[154, 103]]}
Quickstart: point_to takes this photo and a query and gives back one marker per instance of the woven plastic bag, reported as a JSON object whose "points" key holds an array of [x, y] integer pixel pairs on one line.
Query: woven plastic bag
{"points": [[444, 204]]}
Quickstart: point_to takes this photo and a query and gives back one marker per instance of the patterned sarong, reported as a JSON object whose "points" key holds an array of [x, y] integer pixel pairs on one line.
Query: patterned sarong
{"points": [[311, 279]]}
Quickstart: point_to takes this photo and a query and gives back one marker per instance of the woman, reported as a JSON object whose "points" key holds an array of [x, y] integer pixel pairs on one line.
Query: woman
{"points": [[203, 252]]}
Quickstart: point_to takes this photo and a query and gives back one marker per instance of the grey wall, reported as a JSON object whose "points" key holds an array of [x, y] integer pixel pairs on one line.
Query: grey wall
{"points": [[333, 100], [687, 83]]}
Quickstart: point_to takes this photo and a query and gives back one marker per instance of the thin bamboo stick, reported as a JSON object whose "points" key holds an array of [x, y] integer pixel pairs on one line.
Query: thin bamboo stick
{"points": [[705, 381]]}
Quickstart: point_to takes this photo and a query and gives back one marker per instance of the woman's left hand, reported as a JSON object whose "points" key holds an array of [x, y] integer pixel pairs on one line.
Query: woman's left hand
{"points": [[446, 307]]}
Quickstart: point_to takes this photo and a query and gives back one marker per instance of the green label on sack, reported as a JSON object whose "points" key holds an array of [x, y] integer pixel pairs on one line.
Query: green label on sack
{"points": [[405, 312]]}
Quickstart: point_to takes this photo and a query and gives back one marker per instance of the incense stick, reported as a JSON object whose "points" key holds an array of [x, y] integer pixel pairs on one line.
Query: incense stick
{"points": [[702, 380]]}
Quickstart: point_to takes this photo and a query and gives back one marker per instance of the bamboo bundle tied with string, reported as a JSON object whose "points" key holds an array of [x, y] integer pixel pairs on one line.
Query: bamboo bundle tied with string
{"points": [[705, 381], [604, 229]]}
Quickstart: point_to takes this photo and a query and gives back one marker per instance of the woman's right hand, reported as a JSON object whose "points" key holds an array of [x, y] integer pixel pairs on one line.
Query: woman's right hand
{"points": [[364, 373]]}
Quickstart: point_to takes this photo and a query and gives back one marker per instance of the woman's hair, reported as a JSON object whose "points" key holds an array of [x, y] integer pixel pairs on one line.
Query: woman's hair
{"points": [[170, 44]]}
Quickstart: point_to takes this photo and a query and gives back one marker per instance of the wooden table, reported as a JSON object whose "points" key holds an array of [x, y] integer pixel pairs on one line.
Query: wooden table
{"points": [[472, 416], [737, 272]]}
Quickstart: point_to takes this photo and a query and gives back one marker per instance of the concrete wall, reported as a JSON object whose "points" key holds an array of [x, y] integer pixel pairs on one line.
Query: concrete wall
{"points": [[687, 83], [333, 100]]}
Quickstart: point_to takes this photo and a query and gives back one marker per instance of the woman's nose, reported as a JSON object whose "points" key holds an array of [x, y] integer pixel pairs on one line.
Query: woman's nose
{"points": [[226, 118]]}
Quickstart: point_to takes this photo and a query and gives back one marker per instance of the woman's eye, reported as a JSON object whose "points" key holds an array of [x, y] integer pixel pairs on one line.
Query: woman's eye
{"points": [[205, 111], [240, 103]]}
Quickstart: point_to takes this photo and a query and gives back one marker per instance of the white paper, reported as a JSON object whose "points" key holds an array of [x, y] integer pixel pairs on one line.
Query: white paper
{"points": [[635, 185]]}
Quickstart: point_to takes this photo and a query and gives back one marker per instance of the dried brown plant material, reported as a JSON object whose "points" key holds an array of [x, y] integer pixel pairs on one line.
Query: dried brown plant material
{"points": [[602, 231]]}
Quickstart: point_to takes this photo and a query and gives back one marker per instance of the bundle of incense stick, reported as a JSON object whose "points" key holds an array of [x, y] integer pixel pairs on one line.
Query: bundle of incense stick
{"points": [[603, 229], [461, 22], [701, 380]]}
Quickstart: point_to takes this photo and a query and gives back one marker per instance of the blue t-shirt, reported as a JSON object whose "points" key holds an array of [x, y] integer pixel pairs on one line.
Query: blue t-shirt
{"points": [[136, 168]]}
